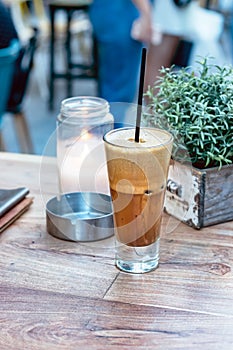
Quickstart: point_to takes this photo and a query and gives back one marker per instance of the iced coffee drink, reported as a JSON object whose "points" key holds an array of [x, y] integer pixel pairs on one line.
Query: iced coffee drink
{"points": [[137, 177]]}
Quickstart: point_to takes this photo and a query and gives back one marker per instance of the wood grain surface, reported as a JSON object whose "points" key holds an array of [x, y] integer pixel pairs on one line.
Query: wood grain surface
{"points": [[57, 294], [218, 203]]}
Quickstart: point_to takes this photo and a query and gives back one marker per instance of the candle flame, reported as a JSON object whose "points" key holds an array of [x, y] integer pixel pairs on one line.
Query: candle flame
{"points": [[85, 135]]}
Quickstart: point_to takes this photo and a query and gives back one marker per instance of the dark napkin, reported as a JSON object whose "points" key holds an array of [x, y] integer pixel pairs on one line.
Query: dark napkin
{"points": [[13, 203], [9, 198]]}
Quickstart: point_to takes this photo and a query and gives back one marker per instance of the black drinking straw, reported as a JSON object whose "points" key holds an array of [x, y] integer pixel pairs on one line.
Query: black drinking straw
{"points": [[140, 95]]}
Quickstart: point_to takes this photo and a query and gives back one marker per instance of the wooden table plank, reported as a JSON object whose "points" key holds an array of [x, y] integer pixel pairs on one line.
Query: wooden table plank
{"points": [[56, 321], [66, 272]]}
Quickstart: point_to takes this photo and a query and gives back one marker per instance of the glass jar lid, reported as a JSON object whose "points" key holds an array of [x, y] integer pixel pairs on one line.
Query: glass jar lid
{"points": [[83, 108]]}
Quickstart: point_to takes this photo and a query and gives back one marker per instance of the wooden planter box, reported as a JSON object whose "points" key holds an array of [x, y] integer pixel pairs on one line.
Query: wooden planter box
{"points": [[200, 197]]}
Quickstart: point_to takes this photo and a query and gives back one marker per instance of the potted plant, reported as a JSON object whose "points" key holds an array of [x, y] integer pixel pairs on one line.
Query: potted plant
{"points": [[197, 108]]}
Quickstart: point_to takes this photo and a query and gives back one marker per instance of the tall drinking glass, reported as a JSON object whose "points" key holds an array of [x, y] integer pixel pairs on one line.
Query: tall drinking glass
{"points": [[137, 177]]}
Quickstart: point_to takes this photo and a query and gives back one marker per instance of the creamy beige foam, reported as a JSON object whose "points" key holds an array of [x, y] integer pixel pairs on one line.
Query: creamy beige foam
{"points": [[148, 138], [137, 167]]}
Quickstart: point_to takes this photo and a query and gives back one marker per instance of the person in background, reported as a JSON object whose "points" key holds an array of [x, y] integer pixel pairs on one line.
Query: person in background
{"points": [[186, 29], [169, 16], [119, 55], [7, 28]]}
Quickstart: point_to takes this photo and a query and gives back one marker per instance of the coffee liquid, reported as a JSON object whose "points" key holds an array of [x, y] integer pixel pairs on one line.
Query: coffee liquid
{"points": [[138, 223]]}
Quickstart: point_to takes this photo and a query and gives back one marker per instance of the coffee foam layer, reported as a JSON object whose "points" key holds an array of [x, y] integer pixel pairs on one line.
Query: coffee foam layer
{"points": [[148, 138], [138, 167]]}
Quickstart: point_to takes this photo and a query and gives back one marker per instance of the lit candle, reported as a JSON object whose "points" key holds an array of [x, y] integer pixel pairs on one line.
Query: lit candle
{"points": [[82, 164], [81, 124]]}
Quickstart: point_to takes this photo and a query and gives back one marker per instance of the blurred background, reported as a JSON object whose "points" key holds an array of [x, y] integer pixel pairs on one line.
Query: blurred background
{"points": [[61, 62]]}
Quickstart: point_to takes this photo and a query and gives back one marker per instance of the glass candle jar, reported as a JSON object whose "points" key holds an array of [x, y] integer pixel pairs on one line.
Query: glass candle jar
{"points": [[81, 124]]}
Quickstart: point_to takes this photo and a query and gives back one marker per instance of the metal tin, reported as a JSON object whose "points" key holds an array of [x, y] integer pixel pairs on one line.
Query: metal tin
{"points": [[80, 216]]}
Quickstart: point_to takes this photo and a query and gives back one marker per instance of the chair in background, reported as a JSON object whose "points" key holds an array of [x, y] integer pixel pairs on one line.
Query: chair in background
{"points": [[76, 64], [36, 14], [23, 68], [79, 26], [8, 58]]}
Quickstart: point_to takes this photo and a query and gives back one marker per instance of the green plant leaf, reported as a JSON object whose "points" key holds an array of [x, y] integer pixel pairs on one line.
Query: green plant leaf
{"points": [[197, 106]]}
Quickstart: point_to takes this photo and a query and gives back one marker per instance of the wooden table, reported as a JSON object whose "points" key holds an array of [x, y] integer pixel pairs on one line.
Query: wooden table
{"points": [[57, 294]]}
